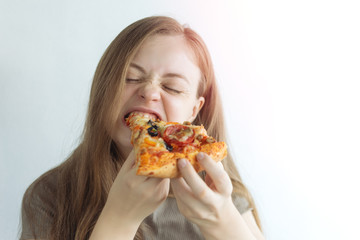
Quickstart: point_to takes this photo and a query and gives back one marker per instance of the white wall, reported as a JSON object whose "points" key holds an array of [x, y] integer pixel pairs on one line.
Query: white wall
{"points": [[289, 76]]}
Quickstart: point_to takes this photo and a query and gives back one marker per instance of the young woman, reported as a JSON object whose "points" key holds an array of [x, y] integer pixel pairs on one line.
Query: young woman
{"points": [[155, 66]]}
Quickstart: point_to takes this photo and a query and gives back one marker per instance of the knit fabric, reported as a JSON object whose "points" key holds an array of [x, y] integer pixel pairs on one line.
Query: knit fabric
{"points": [[165, 223]]}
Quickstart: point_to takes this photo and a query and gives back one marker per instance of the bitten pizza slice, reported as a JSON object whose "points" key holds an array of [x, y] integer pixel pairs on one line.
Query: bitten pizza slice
{"points": [[158, 145]]}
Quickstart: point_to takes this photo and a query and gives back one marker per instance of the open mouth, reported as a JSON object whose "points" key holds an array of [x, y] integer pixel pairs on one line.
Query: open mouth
{"points": [[151, 116]]}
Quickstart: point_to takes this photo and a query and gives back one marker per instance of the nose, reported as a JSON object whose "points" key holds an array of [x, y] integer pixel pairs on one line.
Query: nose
{"points": [[150, 92]]}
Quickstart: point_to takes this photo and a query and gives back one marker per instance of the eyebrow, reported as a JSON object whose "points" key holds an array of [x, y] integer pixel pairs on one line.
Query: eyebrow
{"points": [[134, 65], [176, 75], [167, 75]]}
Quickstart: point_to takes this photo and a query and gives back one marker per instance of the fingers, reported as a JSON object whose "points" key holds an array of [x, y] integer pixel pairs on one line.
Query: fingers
{"points": [[179, 186], [191, 180], [160, 186], [183, 193], [128, 171], [216, 172]]}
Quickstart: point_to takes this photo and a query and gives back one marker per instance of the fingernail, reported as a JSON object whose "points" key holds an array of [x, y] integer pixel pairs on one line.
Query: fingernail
{"points": [[182, 163], [200, 156]]}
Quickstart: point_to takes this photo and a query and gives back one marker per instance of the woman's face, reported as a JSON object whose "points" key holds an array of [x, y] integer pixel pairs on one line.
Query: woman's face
{"points": [[162, 79]]}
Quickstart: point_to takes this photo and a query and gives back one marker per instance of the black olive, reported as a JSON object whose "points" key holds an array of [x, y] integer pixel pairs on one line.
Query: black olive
{"points": [[151, 123], [168, 147], [152, 131]]}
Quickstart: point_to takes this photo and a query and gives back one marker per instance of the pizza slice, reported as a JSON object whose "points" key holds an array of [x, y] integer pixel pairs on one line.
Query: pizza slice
{"points": [[158, 145]]}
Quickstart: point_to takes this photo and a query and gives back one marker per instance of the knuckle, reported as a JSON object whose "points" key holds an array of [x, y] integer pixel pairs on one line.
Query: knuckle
{"points": [[209, 215], [223, 178], [225, 183], [201, 215], [202, 194]]}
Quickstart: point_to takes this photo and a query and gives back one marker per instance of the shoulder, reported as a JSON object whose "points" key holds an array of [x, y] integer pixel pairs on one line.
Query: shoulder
{"points": [[42, 190], [38, 206]]}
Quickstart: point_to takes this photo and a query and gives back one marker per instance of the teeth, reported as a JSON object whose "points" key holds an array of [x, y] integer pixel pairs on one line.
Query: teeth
{"points": [[144, 115]]}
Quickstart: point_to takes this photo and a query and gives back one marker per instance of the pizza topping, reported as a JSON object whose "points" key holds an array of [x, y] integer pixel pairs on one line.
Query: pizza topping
{"points": [[180, 135], [152, 131], [168, 147], [187, 123], [199, 137], [158, 144], [149, 142], [153, 124]]}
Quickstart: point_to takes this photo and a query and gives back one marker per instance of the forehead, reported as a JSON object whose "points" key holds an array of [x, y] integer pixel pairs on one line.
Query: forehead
{"points": [[171, 43], [161, 54]]}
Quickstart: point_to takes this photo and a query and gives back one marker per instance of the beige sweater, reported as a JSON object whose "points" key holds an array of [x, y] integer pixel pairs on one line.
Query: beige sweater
{"points": [[165, 223]]}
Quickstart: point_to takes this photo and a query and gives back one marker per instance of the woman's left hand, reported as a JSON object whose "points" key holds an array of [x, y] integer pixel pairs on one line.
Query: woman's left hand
{"points": [[209, 204]]}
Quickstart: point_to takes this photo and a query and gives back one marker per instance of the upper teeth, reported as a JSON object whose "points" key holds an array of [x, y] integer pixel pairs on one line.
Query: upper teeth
{"points": [[144, 115]]}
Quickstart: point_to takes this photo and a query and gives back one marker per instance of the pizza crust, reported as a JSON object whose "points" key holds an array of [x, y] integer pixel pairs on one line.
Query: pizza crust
{"points": [[165, 165]]}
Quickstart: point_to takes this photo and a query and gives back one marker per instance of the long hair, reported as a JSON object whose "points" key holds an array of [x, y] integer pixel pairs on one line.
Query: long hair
{"points": [[85, 178]]}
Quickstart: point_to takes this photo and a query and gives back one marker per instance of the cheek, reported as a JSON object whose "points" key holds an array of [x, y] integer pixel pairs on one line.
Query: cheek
{"points": [[178, 109], [127, 93]]}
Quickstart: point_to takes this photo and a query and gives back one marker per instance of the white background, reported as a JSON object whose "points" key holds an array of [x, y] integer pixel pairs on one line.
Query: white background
{"points": [[289, 77]]}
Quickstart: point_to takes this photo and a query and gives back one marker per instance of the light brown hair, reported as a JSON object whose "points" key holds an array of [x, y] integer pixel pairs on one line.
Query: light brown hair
{"points": [[85, 178]]}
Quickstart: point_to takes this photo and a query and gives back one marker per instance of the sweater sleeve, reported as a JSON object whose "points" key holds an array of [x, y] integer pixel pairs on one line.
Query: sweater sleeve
{"points": [[241, 203]]}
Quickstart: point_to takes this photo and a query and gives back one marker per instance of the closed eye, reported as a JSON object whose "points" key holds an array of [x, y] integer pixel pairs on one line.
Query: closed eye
{"points": [[133, 80], [172, 90]]}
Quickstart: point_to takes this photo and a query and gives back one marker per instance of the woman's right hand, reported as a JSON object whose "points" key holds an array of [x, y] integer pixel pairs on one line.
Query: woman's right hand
{"points": [[131, 199], [135, 196]]}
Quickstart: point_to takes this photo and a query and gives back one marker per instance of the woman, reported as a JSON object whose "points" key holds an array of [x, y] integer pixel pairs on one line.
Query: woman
{"points": [[159, 67]]}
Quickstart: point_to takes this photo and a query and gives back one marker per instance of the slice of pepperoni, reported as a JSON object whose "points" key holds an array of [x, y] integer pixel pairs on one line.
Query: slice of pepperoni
{"points": [[179, 135]]}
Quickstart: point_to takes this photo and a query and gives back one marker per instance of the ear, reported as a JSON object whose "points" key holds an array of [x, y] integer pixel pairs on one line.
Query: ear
{"points": [[197, 107]]}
